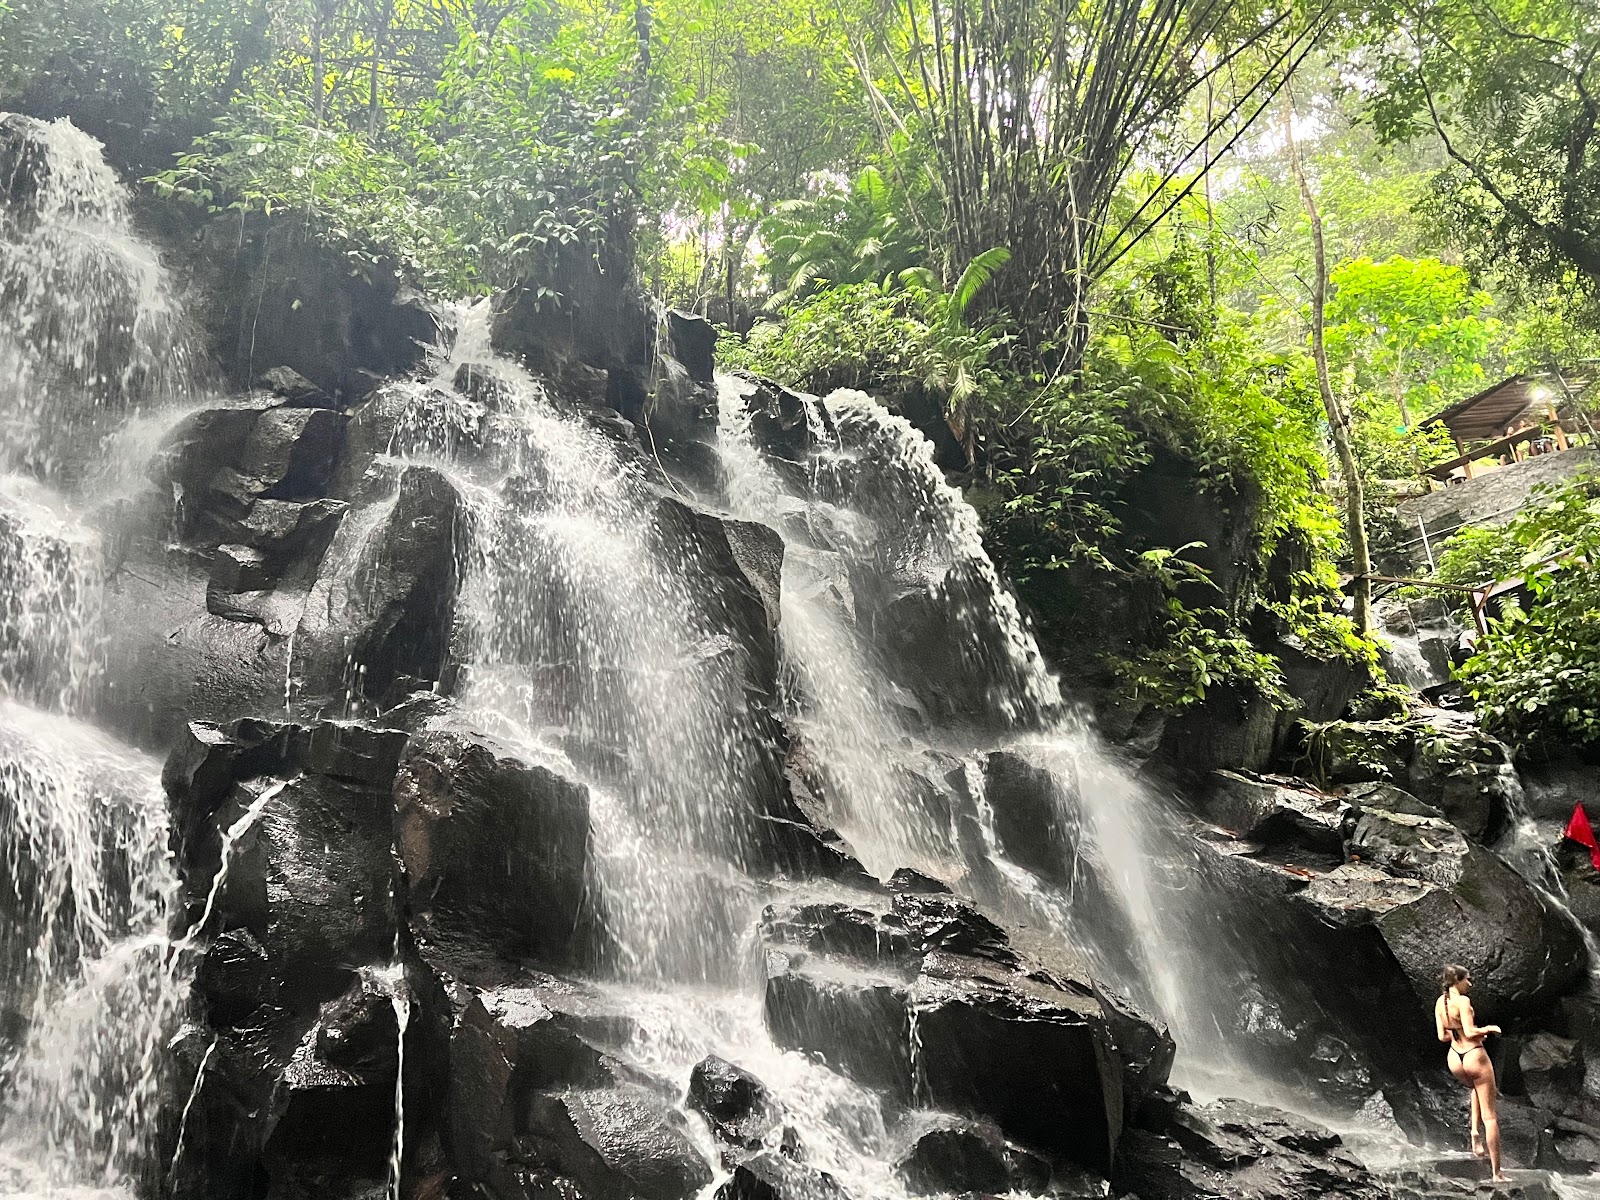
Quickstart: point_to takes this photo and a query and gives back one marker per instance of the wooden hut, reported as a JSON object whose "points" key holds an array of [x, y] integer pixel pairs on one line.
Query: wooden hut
{"points": [[1524, 415]]}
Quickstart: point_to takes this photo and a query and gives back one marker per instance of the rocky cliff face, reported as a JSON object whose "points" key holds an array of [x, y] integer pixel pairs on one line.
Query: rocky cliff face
{"points": [[589, 779]]}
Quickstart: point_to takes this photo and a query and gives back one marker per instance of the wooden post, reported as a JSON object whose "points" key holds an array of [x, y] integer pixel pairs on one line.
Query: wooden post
{"points": [[1555, 422], [1578, 410]]}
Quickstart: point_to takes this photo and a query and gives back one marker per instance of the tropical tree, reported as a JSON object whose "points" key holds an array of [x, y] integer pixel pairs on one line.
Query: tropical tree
{"points": [[854, 235], [1035, 114], [1510, 89], [1413, 330]]}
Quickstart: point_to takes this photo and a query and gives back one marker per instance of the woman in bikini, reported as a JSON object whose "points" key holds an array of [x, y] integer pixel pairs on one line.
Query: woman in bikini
{"points": [[1469, 1061]]}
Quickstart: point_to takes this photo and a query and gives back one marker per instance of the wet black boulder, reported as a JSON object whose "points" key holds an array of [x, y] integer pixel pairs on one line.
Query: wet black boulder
{"points": [[734, 1102], [497, 850], [1032, 1046], [619, 1143]]}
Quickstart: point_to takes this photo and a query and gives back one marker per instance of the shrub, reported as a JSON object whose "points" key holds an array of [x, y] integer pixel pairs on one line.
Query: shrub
{"points": [[1536, 675]]}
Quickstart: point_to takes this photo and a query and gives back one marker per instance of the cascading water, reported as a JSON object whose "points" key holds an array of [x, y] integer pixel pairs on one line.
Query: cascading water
{"points": [[892, 669], [86, 984], [588, 647], [875, 512], [90, 334], [93, 331]]}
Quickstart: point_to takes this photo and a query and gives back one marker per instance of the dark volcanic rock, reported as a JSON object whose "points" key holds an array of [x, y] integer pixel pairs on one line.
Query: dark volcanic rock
{"points": [[1324, 687], [1277, 810], [1035, 814], [734, 1102], [290, 453], [381, 609], [1035, 1049], [694, 343], [1469, 908], [1465, 773], [619, 1143], [483, 383], [294, 388], [1414, 880], [299, 972], [746, 560], [1233, 1148], [508, 1047], [279, 299], [1345, 1033], [783, 423], [1226, 731], [594, 323], [497, 850], [970, 1156], [23, 161]]}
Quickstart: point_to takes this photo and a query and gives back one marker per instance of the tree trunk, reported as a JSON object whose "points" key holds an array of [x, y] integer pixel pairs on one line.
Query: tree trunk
{"points": [[380, 27], [1338, 416], [318, 71]]}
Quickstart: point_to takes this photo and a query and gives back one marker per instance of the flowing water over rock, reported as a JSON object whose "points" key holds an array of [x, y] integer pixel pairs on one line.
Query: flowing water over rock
{"points": [[89, 993]]}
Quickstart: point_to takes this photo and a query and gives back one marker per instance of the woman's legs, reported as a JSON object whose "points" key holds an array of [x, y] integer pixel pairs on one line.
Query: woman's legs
{"points": [[1477, 1135], [1483, 1091]]}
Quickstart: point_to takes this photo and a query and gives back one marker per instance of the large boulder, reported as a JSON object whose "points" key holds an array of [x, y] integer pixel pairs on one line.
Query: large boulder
{"points": [[786, 425], [1234, 1148], [1231, 729], [1035, 814], [496, 849], [1465, 773], [1436, 898], [310, 608], [219, 461], [24, 162], [693, 340], [1414, 893], [281, 299], [770, 1176], [377, 622], [1279, 811], [926, 1000], [1322, 685], [619, 1143], [958, 1156], [512, 1043], [293, 904], [586, 318], [737, 1105]]}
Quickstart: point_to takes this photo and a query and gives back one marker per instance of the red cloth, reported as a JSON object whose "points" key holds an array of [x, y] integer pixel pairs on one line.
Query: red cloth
{"points": [[1579, 830]]}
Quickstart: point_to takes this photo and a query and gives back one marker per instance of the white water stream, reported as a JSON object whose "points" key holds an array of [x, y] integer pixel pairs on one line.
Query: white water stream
{"points": [[90, 336]]}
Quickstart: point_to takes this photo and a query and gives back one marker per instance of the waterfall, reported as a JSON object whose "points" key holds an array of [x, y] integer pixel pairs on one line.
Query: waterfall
{"points": [[875, 512], [597, 632], [83, 846], [588, 646], [93, 330], [90, 335]]}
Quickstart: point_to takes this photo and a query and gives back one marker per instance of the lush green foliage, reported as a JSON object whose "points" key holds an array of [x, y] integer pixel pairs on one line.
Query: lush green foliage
{"points": [[1409, 330], [1044, 258], [1507, 86], [1536, 676], [515, 155]]}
